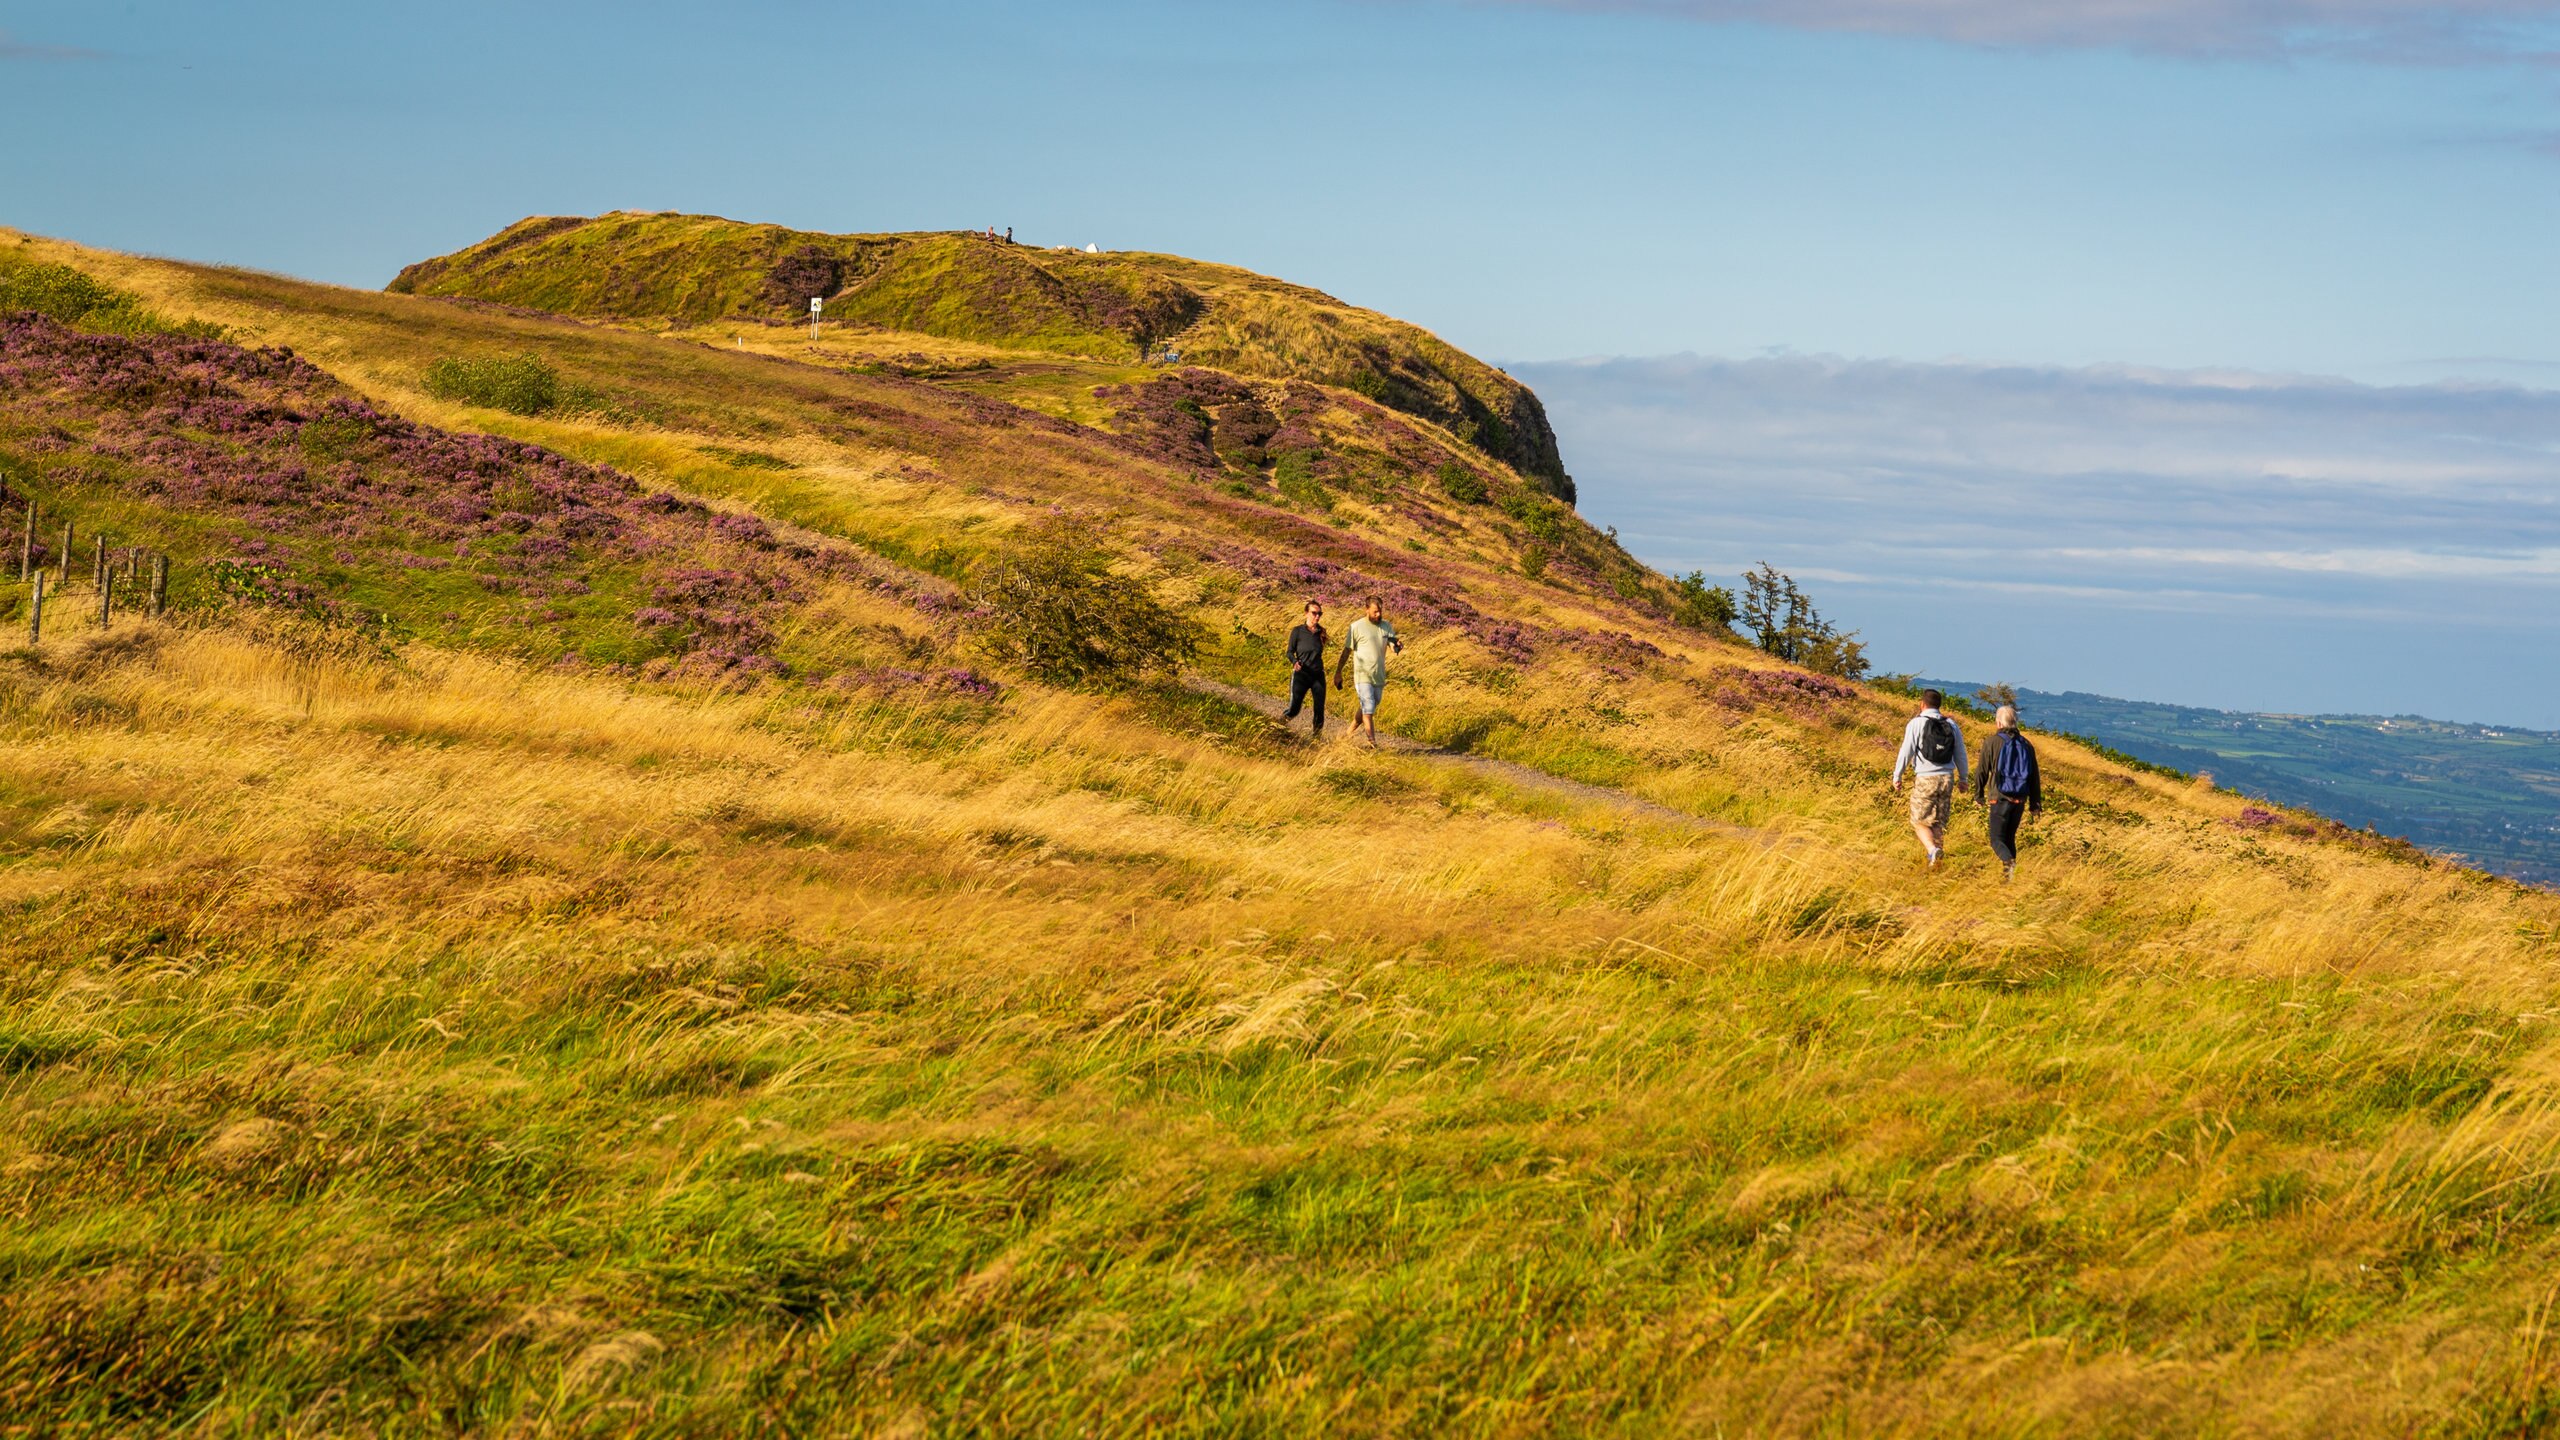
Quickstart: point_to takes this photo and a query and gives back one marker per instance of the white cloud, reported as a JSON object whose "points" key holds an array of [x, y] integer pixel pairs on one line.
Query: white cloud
{"points": [[2125, 521]]}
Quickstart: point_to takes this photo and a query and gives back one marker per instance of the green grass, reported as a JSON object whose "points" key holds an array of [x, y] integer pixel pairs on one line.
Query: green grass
{"points": [[432, 1042]]}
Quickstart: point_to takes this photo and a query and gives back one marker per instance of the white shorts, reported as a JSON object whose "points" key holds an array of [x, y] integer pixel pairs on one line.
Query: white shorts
{"points": [[1368, 691]]}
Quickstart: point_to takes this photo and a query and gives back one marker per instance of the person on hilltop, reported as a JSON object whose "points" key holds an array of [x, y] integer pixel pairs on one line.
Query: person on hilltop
{"points": [[1364, 659], [1308, 643], [2011, 776], [1934, 749]]}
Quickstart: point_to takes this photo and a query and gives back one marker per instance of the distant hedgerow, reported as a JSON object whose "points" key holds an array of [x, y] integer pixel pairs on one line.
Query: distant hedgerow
{"points": [[1054, 607]]}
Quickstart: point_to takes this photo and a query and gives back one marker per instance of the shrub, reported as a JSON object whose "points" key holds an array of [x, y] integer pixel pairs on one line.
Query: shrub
{"points": [[57, 291], [1703, 606], [1055, 608], [73, 297], [517, 384], [1536, 514], [1533, 560], [1296, 477], [520, 385], [1462, 484]]}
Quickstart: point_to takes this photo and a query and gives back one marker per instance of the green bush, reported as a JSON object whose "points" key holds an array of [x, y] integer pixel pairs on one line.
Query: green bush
{"points": [[1462, 484], [517, 384], [1703, 606], [79, 299], [1296, 477], [1053, 607], [1536, 514]]}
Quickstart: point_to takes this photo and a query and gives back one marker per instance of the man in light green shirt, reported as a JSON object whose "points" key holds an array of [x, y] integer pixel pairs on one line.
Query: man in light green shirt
{"points": [[1364, 656]]}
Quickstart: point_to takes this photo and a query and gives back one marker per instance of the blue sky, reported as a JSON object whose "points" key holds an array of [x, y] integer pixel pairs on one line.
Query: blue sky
{"points": [[2361, 192]]}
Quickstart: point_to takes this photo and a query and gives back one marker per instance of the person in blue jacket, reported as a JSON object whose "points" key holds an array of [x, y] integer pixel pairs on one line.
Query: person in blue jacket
{"points": [[2011, 777]]}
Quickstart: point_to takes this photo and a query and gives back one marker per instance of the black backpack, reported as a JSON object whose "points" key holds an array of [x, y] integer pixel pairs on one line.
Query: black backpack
{"points": [[1937, 740]]}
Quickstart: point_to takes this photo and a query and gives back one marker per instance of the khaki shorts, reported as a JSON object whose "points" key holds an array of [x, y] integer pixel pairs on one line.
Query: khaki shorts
{"points": [[1933, 799]]}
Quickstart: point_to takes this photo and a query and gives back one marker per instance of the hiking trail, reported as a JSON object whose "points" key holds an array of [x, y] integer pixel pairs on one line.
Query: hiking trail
{"points": [[1509, 771]]}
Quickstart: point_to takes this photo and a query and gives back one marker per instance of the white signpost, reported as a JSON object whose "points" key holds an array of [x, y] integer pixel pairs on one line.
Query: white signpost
{"points": [[816, 305]]}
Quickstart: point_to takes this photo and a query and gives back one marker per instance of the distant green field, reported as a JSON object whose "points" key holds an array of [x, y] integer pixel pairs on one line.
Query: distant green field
{"points": [[2489, 795]]}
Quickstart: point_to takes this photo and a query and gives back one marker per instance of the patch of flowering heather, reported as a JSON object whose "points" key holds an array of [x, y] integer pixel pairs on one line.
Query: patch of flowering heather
{"points": [[1614, 645], [1797, 692], [2255, 817], [1342, 588], [1175, 419], [745, 529], [266, 440]]}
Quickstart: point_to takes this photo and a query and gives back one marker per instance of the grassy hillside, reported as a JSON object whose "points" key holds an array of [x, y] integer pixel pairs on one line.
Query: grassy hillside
{"points": [[2477, 792], [439, 998], [696, 269]]}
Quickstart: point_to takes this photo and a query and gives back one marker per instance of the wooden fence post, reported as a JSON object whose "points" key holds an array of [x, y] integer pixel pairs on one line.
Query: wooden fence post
{"points": [[106, 588], [64, 579], [35, 613], [27, 546], [159, 585]]}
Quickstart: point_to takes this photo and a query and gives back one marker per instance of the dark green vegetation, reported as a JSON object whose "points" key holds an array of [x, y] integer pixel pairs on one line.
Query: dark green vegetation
{"points": [[692, 269], [74, 297], [2487, 794], [517, 384], [1055, 607], [1783, 621]]}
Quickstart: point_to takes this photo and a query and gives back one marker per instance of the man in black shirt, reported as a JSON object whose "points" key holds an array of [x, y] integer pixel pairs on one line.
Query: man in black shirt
{"points": [[1307, 644]]}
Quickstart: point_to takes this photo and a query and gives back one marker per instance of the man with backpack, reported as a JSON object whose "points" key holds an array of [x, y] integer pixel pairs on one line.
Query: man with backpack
{"points": [[1307, 644], [1934, 749], [2009, 772]]}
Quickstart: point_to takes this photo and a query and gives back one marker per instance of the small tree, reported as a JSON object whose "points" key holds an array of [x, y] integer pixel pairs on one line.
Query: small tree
{"points": [[1996, 695], [1837, 654], [1056, 608], [1783, 621]]}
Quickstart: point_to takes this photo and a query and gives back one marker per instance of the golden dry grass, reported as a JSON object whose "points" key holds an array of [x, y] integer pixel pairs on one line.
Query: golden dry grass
{"points": [[432, 1044]]}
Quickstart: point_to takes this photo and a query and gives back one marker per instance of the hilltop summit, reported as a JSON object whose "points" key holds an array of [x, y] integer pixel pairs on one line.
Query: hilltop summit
{"points": [[698, 269]]}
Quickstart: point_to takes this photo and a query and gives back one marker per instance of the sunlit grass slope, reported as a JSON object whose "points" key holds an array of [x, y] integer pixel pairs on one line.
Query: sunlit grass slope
{"points": [[403, 1032], [698, 269]]}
